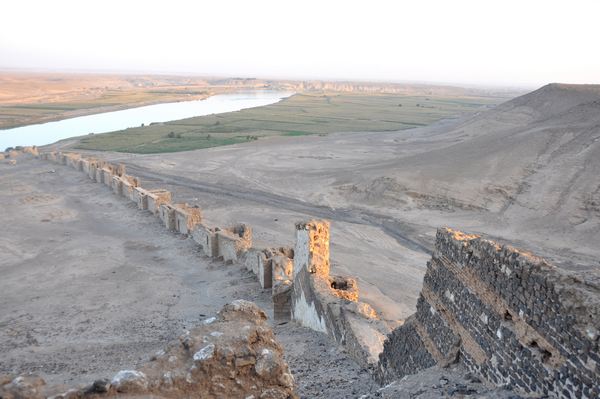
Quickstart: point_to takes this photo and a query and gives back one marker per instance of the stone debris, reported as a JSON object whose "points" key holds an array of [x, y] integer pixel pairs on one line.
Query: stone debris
{"points": [[234, 356]]}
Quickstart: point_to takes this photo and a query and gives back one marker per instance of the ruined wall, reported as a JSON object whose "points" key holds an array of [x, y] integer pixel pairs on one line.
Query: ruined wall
{"points": [[232, 242], [299, 284], [206, 237], [299, 279], [187, 217], [508, 316]]}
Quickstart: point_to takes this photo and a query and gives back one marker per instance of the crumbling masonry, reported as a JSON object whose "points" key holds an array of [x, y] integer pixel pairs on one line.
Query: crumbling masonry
{"points": [[508, 316]]}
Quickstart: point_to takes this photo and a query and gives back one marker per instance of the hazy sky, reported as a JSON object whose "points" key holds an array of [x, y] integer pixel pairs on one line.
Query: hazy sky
{"points": [[506, 42]]}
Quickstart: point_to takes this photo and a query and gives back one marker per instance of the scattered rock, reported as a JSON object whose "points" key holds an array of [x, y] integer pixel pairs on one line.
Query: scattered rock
{"points": [[130, 381]]}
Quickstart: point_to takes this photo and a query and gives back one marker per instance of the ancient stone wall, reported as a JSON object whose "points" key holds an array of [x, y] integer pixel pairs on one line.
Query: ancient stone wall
{"points": [[508, 316], [335, 298]]}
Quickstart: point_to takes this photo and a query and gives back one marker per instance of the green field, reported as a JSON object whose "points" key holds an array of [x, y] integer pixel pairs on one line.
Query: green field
{"points": [[301, 114]]}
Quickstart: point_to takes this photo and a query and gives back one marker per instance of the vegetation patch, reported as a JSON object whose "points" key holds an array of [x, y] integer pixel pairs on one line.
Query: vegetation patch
{"points": [[299, 115]]}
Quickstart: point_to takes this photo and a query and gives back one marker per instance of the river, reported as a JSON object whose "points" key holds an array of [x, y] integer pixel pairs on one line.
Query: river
{"points": [[47, 133]]}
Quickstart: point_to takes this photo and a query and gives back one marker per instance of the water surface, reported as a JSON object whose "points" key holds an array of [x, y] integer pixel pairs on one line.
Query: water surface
{"points": [[47, 133]]}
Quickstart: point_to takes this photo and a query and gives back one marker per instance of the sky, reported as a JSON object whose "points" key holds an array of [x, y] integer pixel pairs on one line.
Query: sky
{"points": [[470, 42]]}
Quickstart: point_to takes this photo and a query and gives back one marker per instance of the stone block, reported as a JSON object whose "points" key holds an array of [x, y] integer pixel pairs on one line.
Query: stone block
{"points": [[233, 242], [206, 237], [117, 185], [99, 175], [157, 197], [282, 301], [250, 259], [127, 190], [140, 198], [282, 266], [187, 217], [92, 170], [107, 176], [167, 215], [312, 247], [265, 270], [85, 166]]}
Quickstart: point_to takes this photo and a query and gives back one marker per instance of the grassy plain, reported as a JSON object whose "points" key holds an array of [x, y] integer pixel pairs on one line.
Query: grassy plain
{"points": [[301, 114]]}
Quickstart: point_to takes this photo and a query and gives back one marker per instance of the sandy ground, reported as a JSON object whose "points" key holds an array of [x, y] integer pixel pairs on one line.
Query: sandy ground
{"points": [[91, 285]]}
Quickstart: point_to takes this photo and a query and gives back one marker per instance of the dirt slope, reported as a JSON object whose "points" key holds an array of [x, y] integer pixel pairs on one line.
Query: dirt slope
{"points": [[533, 163]]}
